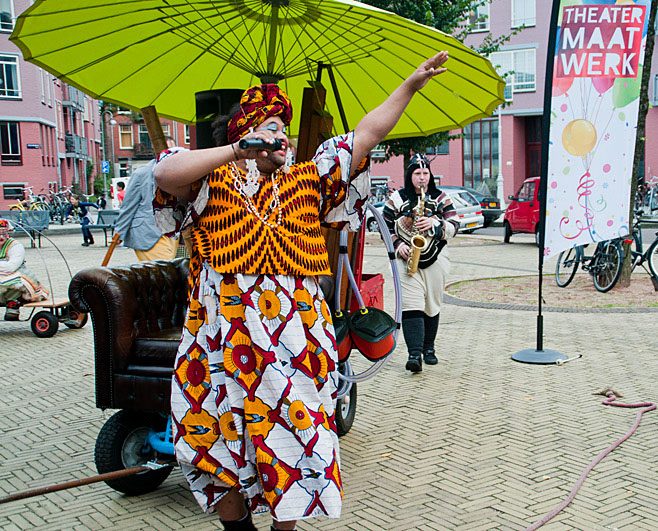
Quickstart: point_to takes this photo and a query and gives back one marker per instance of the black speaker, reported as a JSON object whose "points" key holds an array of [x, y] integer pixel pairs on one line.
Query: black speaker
{"points": [[209, 105]]}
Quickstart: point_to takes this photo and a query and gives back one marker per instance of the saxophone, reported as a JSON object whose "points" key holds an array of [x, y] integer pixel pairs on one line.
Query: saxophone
{"points": [[418, 242]]}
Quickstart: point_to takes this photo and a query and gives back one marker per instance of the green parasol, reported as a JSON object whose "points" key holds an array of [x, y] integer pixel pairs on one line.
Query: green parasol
{"points": [[141, 53]]}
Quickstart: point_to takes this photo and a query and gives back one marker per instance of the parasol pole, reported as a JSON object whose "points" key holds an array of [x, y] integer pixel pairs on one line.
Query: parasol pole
{"points": [[154, 128]]}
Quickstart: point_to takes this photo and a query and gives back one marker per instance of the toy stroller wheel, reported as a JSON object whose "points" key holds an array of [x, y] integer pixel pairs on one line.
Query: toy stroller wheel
{"points": [[346, 409], [122, 443], [44, 324], [76, 319]]}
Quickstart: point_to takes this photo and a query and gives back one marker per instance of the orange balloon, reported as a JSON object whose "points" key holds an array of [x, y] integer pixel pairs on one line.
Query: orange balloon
{"points": [[579, 137]]}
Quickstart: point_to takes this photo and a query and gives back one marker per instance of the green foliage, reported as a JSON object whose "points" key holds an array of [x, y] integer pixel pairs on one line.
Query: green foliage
{"points": [[448, 16]]}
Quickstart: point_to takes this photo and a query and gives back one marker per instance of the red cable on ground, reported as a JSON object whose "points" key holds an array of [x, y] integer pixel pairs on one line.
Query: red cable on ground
{"points": [[648, 406]]}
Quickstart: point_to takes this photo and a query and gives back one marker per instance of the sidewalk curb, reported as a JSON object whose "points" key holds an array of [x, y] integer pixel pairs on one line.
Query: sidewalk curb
{"points": [[456, 301]]}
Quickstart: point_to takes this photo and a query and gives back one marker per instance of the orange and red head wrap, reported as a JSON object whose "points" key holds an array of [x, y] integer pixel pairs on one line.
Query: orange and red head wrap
{"points": [[5, 226], [257, 104]]}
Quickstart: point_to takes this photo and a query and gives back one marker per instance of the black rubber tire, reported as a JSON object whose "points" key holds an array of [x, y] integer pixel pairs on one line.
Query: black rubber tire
{"points": [[652, 258], [608, 265], [566, 267], [346, 411], [373, 226], [75, 319], [44, 324], [508, 231], [117, 446]]}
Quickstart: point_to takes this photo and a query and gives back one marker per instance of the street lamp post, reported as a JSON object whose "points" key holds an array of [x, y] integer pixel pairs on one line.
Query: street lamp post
{"points": [[112, 122], [499, 180]]}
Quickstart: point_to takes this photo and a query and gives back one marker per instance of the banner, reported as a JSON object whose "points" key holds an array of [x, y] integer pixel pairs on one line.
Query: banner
{"points": [[597, 72]]}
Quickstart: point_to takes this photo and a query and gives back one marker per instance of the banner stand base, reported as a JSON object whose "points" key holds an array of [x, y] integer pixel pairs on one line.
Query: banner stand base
{"points": [[538, 357]]}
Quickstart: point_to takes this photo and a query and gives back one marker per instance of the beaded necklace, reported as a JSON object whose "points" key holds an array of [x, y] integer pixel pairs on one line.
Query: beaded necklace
{"points": [[274, 204]]}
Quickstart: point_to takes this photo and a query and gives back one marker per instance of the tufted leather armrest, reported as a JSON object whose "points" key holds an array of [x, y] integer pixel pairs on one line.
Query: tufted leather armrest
{"points": [[129, 304]]}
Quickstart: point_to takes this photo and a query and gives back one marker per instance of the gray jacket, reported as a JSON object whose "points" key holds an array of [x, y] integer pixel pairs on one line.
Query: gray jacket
{"points": [[136, 223]]}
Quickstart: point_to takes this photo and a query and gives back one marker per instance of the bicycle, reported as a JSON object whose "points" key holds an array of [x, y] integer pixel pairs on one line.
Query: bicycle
{"points": [[31, 202], [638, 257], [604, 265]]}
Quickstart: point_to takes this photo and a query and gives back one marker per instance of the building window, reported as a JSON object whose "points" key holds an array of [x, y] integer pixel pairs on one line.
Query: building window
{"points": [[6, 15], [10, 86], [13, 190], [654, 100], [533, 125], [479, 18], [441, 149], [144, 138], [60, 131], [126, 136], [165, 129], [123, 110], [519, 67], [10, 143], [124, 170], [187, 133], [43, 89], [523, 13], [480, 151]]}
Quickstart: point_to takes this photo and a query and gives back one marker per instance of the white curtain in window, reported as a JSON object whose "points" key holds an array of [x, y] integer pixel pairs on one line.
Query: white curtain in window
{"points": [[523, 12]]}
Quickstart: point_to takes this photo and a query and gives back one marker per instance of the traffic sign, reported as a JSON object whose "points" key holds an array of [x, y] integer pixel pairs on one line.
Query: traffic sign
{"points": [[105, 166]]}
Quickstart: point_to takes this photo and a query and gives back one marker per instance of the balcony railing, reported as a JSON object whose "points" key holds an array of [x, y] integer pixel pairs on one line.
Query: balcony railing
{"points": [[76, 146], [73, 98], [143, 151]]}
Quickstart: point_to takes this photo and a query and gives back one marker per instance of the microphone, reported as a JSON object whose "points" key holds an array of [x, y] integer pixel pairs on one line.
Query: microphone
{"points": [[259, 143]]}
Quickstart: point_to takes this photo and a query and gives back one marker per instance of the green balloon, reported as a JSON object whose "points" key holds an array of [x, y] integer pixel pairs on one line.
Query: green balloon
{"points": [[626, 90]]}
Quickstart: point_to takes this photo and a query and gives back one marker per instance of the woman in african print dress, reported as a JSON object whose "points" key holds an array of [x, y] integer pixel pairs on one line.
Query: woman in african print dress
{"points": [[256, 372]]}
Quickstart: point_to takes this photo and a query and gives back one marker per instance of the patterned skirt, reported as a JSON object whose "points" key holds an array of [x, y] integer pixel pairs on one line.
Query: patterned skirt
{"points": [[253, 395]]}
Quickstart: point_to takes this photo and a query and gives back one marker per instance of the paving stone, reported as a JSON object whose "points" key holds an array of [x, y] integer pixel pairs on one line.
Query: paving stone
{"points": [[476, 442]]}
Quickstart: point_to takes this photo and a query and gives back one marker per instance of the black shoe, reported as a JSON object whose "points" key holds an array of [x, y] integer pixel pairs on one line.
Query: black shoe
{"points": [[429, 358], [12, 315], [85, 244], [414, 363]]}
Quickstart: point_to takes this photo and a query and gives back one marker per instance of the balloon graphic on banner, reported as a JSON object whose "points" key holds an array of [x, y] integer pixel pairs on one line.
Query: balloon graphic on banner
{"points": [[561, 85], [579, 137], [603, 84], [626, 90]]}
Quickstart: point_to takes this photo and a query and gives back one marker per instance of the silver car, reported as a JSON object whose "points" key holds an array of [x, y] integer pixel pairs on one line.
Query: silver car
{"points": [[469, 210], [370, 221]]}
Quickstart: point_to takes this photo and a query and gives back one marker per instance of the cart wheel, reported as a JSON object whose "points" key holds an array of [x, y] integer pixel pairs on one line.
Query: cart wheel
{"points": [[122, 444], [44, 324], [76, 319], [346, 411]]}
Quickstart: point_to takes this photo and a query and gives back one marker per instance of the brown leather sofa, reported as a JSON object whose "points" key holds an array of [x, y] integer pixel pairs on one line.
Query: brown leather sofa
{"points": [[138, 313]]}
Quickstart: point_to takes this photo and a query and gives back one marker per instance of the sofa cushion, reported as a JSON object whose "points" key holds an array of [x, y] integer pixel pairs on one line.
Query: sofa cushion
{"points": [[156, 349]]}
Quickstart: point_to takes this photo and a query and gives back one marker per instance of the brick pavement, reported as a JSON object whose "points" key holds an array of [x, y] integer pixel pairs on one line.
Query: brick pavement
{"points": [[477, 442]]}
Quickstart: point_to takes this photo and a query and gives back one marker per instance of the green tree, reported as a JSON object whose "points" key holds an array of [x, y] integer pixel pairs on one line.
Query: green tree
{"points": [[625, 277], [455, 17]]}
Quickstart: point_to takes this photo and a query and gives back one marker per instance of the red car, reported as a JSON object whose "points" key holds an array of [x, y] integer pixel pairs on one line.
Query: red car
{"points": [[522, 214]]}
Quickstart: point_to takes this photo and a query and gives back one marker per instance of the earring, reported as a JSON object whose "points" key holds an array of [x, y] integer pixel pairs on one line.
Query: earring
{"points": [[252, 183]]}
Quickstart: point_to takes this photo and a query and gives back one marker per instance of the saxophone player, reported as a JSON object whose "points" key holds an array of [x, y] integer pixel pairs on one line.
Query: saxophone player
{"points": [[421, 218]]}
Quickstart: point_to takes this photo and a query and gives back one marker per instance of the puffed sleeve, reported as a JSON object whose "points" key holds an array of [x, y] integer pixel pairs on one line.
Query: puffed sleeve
{"points": [[344, 196], [173, 214], [15, 258]]}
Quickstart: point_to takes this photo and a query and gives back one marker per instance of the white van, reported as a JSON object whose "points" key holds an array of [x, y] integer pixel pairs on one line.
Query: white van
{"points": [[114, 202]]}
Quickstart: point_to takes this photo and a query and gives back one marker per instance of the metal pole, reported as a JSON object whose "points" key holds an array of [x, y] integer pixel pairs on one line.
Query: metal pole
{"points": [[499, 178], [111, 123]]}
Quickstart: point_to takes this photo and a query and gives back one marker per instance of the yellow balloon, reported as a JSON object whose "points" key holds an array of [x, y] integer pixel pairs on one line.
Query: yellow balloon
{"points": [[579, 137]]}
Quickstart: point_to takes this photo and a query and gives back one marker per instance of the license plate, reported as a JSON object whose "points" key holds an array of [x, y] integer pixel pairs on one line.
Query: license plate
{"points": [[469, 225], [493, 205]]}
